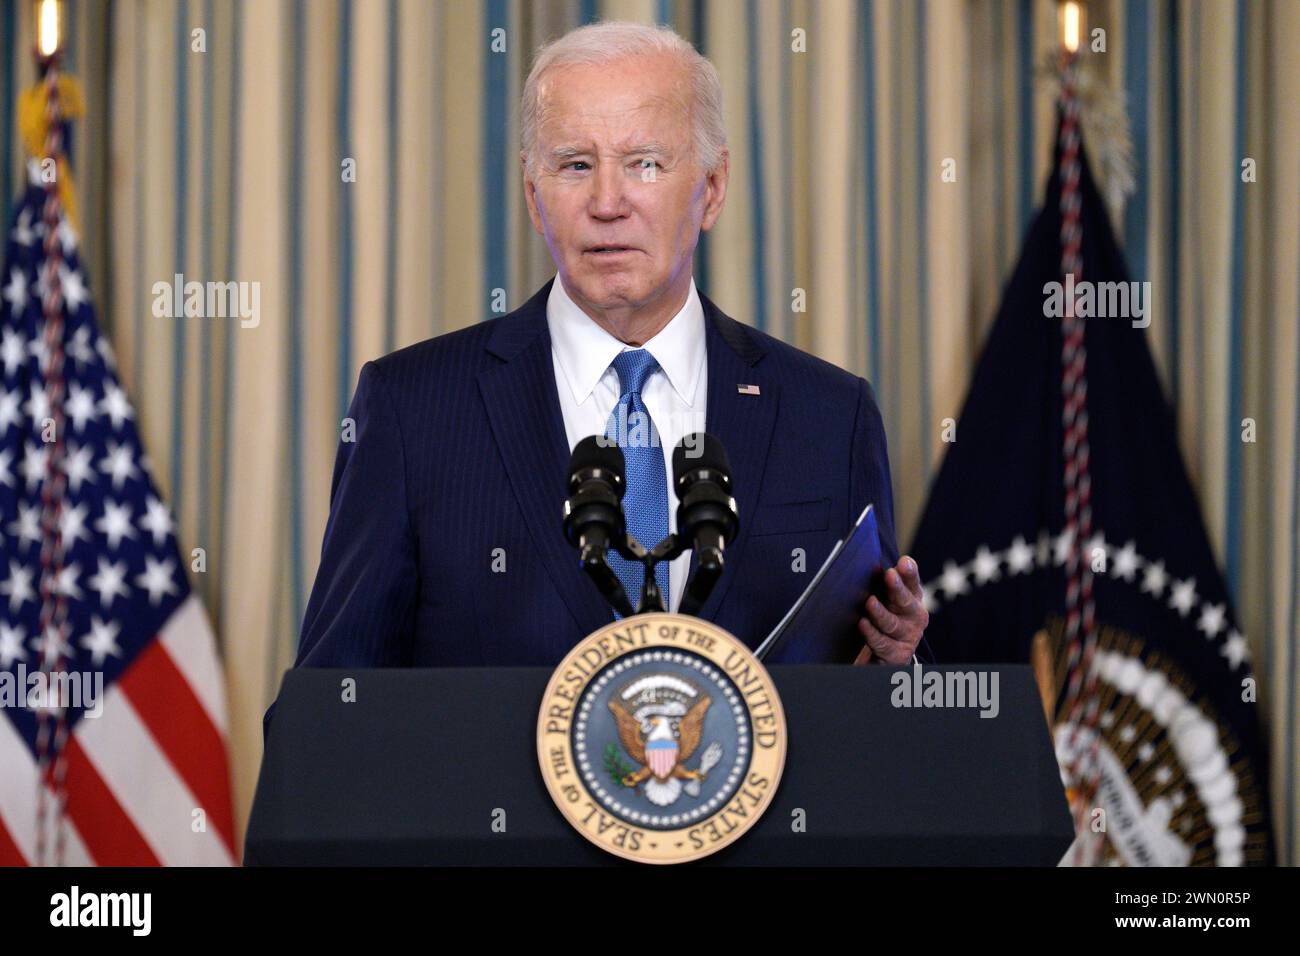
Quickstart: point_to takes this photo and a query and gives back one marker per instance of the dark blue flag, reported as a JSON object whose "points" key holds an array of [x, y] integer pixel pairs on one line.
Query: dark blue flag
{"points": [[1181, 768]]}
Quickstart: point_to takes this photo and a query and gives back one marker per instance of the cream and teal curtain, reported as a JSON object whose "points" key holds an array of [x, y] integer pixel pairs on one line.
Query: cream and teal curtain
{"points": [[226, 164]]}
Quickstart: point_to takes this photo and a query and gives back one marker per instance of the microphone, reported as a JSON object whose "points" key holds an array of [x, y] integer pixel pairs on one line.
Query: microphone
{"points": [[593, 514], [706, 511]]}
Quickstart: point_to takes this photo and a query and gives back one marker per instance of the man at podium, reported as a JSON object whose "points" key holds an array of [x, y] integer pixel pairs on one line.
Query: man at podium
{"points": [[444, 544]]}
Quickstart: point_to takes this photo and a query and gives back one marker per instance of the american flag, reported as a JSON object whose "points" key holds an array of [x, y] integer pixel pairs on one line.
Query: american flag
{"points": [[92, 583]]}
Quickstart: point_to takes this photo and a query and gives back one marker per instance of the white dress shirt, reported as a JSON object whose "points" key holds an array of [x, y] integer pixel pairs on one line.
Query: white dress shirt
{"points": [[675, 394]]}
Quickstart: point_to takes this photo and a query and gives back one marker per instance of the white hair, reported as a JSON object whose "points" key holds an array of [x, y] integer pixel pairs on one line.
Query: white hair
{"points": [[598, 43]]}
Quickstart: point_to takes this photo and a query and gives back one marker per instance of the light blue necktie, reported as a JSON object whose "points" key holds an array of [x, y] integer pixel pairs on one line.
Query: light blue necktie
{"points": [[645, 501]]}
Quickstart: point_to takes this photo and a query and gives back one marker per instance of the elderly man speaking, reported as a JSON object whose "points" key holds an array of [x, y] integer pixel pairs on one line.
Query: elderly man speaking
{"points": [[444, 543]]}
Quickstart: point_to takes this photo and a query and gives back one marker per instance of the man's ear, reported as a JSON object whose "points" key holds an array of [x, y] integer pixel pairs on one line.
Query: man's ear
{"points": [[716, 183], [530, 195]]}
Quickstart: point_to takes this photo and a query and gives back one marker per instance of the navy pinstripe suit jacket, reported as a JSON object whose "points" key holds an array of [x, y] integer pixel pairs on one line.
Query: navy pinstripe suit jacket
{"points": [[460, 451]]}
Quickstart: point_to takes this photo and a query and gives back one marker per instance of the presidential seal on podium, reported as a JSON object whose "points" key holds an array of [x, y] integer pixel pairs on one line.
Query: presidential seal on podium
{"points": [[661, 738]]}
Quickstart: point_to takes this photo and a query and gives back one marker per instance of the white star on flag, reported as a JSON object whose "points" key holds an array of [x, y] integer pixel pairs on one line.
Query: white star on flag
{"points": [[73, 289], [1020, 556], [109, 581], [66, 583], [116, 523], [72, 525], [1062, 545], [11, 645], [157, 578], [1235, 650], [34, 464], [9, 413], [28, 525], [22, 231], [158, 520], [79, 466], [119, 463], [80, 406], [1155, 579], [1126, 562], [115, 405], [1212, 619], [42, 288], [67, 237], [18, 586], [79, 348], [106, 353], [15, 293], [38, 406], [985, 566], [102, 640], [953, 580], [41, 352], [13, 351], [1183, 596]]}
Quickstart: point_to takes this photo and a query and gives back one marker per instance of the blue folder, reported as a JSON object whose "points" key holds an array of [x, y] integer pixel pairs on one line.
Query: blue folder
{"points": [[822, 626]]}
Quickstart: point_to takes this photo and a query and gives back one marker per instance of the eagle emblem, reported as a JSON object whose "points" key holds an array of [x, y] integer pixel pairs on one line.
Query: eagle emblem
{"points": [[660, 721]]}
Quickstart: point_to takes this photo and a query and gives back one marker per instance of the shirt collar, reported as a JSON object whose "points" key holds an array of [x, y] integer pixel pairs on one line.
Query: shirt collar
{"points": [[585, 350]]}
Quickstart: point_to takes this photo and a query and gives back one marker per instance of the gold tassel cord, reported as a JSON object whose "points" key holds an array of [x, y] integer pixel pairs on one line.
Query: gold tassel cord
{"points": [[33, 126]]}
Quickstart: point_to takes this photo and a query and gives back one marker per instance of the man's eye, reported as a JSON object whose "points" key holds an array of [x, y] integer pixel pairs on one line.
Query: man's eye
{"points": [[644, 163], [576, 162]]}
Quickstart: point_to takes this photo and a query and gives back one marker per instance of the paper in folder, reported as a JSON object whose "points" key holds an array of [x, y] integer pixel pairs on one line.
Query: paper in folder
{"points": [[822, 626]]}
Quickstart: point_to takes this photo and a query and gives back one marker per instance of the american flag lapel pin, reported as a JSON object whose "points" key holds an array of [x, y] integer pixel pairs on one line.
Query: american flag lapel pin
{"points": [[747, 389]]}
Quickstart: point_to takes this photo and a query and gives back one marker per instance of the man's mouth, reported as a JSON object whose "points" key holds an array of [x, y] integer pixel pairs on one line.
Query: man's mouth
{"points": [[609, 250]]}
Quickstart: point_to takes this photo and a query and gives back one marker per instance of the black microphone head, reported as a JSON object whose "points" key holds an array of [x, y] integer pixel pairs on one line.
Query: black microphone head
{"points": [[700, 451], [597, 456], [707, 517]]}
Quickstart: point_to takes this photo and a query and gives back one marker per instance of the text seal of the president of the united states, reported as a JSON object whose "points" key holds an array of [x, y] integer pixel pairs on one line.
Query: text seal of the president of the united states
{"points": [[661, 738]]}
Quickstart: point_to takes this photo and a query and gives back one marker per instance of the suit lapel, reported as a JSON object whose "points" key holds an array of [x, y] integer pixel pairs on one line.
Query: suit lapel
{"points": [[528, 426], [743, 423]]}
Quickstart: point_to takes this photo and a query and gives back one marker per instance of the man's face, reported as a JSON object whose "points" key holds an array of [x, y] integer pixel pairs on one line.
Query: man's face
{"points": [[619, 194]]}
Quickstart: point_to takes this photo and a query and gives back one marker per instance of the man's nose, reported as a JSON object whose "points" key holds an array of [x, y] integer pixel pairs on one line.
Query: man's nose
{"points": [[607, 192]]}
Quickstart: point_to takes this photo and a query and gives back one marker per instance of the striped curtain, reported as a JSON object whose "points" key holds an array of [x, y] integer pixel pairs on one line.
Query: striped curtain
{"points": [[843, 117]]}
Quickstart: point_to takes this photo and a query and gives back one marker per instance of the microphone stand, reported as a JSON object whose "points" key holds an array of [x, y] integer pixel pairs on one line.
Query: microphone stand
{"points": [[653, 599], [594, 562], [707, 571]]}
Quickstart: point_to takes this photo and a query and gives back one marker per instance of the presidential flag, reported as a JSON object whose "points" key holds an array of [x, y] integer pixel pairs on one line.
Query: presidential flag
{"points": [[1063, 520], [112, 708]]}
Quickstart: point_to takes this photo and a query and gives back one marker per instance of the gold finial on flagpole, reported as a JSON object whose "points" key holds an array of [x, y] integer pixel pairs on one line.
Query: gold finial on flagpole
{"points": [[49, 29], [1070, 17]]}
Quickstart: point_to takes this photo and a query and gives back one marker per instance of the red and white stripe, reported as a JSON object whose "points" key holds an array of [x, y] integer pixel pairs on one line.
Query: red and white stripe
{"points": [[137, 776]]}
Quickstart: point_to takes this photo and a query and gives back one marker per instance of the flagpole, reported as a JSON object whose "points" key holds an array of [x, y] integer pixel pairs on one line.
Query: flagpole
{"points": [[51, 759], [1081, 698]]}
